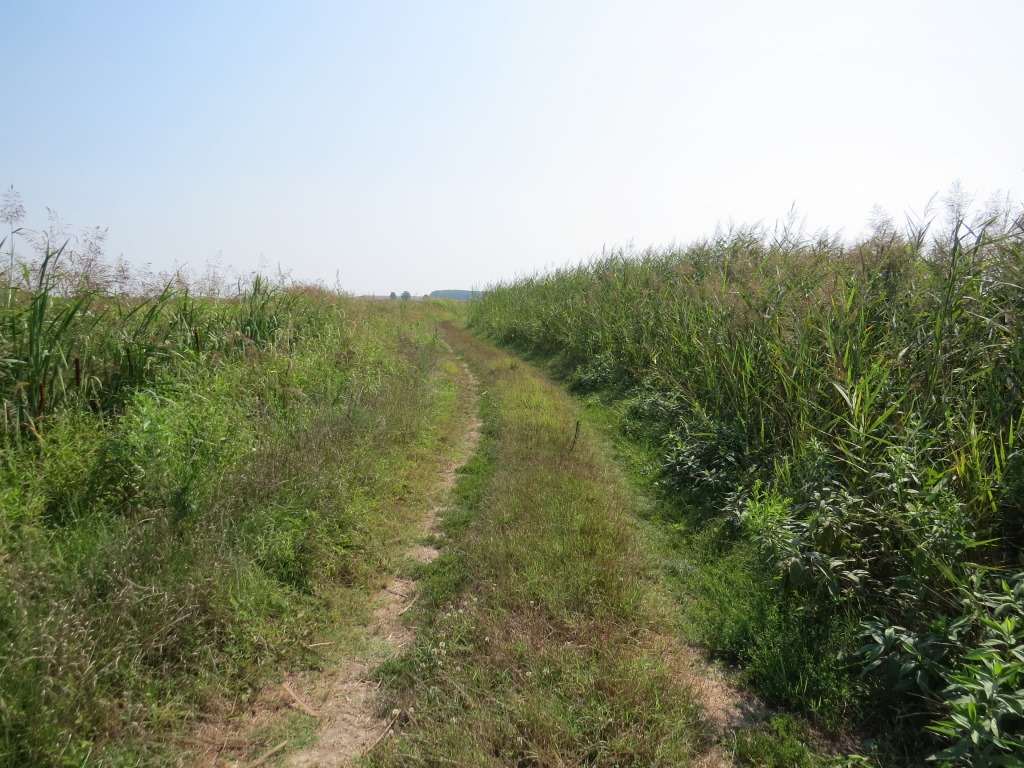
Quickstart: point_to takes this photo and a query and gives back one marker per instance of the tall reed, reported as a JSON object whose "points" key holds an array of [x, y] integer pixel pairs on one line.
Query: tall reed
{"points": [[856, 409]]}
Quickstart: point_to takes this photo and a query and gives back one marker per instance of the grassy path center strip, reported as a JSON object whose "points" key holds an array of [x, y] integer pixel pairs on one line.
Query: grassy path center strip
{"points": [[546, 626]]}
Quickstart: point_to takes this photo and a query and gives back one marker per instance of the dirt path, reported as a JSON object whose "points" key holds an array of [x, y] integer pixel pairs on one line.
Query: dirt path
{"points": [[346, 703], [558, 647], [344, 697], [341, 696]]}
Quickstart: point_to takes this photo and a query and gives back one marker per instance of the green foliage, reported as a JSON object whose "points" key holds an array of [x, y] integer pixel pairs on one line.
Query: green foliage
{"points": [[853, 411], [975, 662], [779, 744], [191, 477], [35, 332]]}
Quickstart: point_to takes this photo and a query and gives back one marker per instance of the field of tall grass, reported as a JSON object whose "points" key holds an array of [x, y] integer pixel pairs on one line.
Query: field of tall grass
{"points": [[840, 427], [182, 479]]}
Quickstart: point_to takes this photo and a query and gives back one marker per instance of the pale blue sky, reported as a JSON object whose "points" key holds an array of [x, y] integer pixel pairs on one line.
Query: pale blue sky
{"points": [[425, 145]]}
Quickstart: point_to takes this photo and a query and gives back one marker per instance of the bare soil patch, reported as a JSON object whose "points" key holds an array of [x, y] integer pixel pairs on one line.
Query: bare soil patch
{"points": [[725, 706]]}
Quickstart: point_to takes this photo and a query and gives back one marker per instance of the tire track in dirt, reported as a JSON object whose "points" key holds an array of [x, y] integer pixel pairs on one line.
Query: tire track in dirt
{"points": [[345, 697], [342, 694]]}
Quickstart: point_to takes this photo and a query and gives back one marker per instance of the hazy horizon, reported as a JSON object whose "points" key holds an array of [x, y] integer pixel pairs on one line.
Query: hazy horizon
{"points": [[397, 146]]}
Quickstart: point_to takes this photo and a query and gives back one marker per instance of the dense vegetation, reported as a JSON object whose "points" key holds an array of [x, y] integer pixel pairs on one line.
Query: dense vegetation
{"points": [[540, 623], [840, 427], [181, 478]]}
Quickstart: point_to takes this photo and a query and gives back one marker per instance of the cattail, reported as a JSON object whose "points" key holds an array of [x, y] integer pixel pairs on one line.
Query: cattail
{"points": [[78, 371]]}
